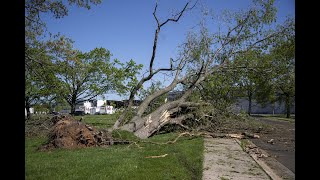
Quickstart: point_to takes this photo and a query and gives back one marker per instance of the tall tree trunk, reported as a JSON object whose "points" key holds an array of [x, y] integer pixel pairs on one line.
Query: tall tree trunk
{"points": [[250, 103], [27, 104], [273, 108], [73, 108], [73, 103], [28, 111], [288, 106]]}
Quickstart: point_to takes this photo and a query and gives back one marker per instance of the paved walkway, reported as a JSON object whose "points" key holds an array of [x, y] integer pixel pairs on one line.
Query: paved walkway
{"points": [[224, 159]]}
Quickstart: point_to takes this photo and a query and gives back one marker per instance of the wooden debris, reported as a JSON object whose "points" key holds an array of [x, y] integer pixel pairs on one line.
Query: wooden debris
{"points": [[90, 128], [270, 141], [251, 135], [135, 143], [251, 146], [262, 155], [238, 136], [217, 135], [157, 156]]}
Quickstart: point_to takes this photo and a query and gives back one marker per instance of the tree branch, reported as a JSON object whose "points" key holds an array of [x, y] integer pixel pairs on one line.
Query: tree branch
{"points": [[151, 73]]}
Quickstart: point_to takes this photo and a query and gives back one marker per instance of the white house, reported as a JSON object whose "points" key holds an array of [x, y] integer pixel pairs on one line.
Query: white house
{"points": [[87, 105], [101, 107], [101, 103], [93, 110], [106, 110], [110, 110]]}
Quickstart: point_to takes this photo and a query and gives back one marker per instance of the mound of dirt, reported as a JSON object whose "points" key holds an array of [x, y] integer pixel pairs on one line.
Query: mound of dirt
{"points": [[66, 132]]}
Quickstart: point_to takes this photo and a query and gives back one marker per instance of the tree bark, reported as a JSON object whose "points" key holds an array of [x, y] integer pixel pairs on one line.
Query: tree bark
{"points": [[28, 110], [287, 106], [250, 103], [73, 108], [27, 103], [72, 103], [143, 127], [273, 108]]}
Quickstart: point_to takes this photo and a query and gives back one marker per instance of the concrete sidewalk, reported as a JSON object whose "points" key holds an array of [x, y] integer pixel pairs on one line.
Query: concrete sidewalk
{"points": [[225, 159]]}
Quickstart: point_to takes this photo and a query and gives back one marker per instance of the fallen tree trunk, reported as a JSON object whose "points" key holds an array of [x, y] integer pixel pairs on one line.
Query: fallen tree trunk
{"points": [[143, 127]]}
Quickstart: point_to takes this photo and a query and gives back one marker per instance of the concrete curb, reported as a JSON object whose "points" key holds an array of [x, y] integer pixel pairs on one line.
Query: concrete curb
{"points": [[280, 173]]}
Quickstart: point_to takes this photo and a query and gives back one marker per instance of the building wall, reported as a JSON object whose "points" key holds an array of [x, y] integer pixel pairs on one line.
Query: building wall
{"points": [[100, 103], [174, 95], [256, 108], [85, 106], [65, 111], [106, 110], [93, 110]]}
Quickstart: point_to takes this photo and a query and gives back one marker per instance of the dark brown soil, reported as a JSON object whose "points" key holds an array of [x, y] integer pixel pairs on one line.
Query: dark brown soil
{"points": [[69, 133], [283, 146]]}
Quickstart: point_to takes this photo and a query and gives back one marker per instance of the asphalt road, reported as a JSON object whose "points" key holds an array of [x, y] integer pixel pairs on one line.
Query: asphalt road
{"points": [[283, 146]]}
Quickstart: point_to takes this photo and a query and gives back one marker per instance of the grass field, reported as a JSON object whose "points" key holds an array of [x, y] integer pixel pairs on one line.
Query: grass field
{"points": [[99, 121], [183, 161]]}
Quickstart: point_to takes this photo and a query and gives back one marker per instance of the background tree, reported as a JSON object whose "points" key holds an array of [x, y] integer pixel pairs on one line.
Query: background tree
{"points": [[37, 62], [253, 75], [37, 76], [220, 89], [84, 76], [283, 54], [276, 72]]}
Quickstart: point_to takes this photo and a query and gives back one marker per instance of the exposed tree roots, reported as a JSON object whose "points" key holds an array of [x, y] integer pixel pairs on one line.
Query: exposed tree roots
{"points": [[66, 132]]}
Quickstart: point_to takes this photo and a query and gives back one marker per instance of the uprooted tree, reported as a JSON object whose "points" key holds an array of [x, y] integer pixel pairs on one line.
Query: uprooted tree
{"points": [[202, 55]]}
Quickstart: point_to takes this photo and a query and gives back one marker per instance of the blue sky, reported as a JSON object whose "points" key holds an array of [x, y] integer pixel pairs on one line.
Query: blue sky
{"points": [[126, 27]]}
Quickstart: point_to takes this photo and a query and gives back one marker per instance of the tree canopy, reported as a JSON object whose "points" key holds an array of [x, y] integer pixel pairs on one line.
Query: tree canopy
{"points": [[56, 70], [84, 76]]}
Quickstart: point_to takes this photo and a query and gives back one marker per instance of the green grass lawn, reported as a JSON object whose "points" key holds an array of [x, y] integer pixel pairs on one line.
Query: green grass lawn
{"points": [[99, 121], [184, 159]]}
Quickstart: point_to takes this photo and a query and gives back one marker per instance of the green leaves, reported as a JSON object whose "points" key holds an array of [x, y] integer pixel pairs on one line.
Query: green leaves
{"points": [[46, 62], [158, 101], [87, 75], [283, 53]]}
